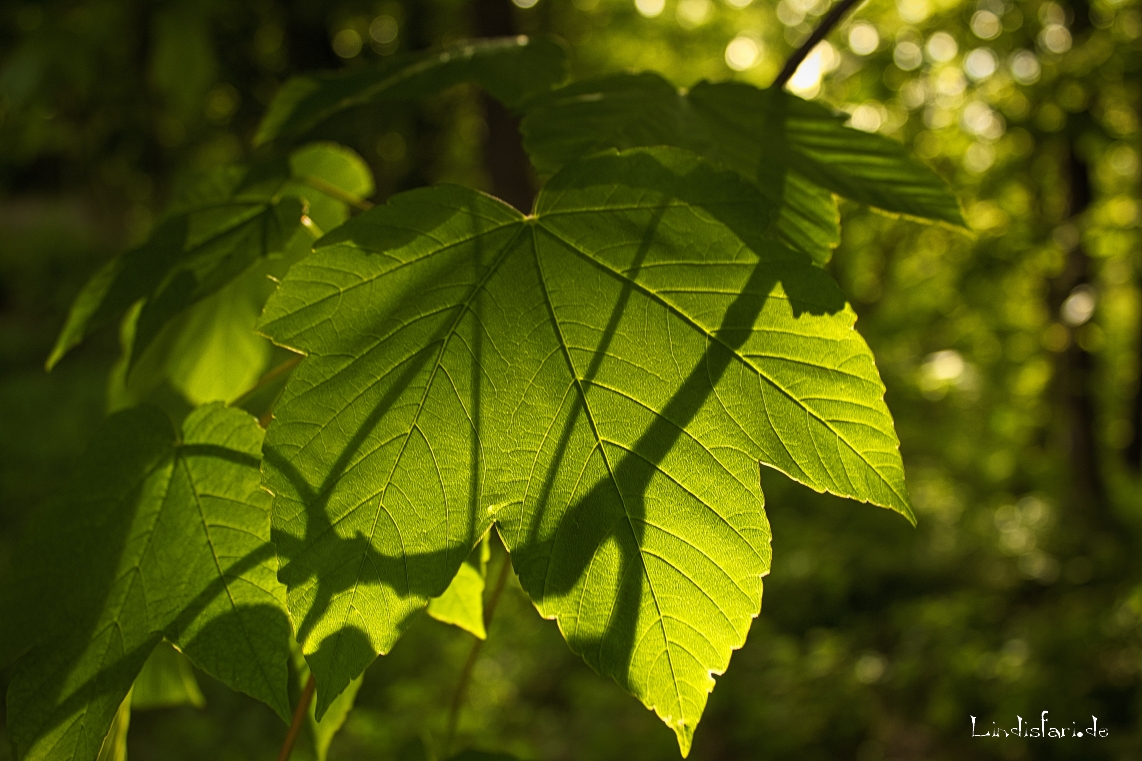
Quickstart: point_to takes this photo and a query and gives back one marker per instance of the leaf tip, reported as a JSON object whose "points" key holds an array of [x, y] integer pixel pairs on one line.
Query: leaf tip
{"points": [[685, 734], [909, 514], [62, 346]]}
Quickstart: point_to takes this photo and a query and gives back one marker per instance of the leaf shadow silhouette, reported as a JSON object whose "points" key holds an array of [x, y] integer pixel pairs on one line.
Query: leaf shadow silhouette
{"points": [[352, 561], [614, 509], [252, 625], [344, 652]]}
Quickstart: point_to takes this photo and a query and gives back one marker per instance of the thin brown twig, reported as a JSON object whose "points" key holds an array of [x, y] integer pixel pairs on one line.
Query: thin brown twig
{"points": [[298, 719], [266, 418], [269, 377], [831, 19], [473, 654]]}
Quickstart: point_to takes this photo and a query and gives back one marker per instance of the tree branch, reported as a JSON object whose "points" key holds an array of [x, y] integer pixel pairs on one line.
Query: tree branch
{"points": [[835, 14], [269, 377], [298, 719]]}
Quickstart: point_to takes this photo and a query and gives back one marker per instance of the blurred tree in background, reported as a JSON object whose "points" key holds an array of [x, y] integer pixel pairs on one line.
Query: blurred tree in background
{"points": [[1011, 358]]}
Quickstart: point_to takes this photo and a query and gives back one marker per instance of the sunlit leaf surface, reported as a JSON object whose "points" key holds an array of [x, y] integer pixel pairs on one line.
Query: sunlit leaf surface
{"points": [[601, 379]]}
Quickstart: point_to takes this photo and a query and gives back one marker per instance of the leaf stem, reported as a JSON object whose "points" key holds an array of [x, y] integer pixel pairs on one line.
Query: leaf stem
{"points": [[474, 653], [333, 191], [269, 377], [835, 14], [308, 223], [298, 719]]}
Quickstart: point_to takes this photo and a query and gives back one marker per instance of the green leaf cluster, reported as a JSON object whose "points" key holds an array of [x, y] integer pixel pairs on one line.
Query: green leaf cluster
{"points": [[599, 381], [799, 153]]}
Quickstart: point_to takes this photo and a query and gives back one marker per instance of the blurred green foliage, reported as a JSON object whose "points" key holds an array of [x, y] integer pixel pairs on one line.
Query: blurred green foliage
{"points": [[1011, 358]]}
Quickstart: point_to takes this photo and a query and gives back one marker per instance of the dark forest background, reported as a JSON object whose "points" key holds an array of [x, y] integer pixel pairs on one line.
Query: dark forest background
{"points": [[1011, 357]]}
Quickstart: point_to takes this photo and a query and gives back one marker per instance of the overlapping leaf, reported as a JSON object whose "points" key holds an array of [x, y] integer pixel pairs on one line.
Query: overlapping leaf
{"points": [[864, 167], [215, 231], [191, 254], [155, 535], [796, 151], [512, 69], [600, 379], [462, 603], [114, 747]]}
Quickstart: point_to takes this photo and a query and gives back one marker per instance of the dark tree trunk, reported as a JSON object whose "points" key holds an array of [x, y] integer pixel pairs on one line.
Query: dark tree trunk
{"points": [[504, 158], [1076, 364], [1132, 455]]}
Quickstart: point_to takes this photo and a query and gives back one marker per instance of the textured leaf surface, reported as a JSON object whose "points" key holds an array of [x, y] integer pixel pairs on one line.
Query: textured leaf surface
{"points": [[601, 379], [462, 604], [215, 231], [864, 167], [796, 151], [512, 69], [154, 536]]}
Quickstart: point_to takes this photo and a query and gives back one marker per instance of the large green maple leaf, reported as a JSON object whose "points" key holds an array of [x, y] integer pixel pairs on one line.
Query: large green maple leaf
{"points": [[600, 379], [155, 535]]}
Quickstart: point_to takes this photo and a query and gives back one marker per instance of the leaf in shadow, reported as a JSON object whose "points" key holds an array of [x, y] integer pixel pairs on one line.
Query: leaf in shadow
{"points": [[511, 69], [153, 536]]}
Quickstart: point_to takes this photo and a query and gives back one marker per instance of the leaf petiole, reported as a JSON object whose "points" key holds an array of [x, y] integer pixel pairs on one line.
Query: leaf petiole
{"points": [[298, 719], [473, 654], [333, 191]]}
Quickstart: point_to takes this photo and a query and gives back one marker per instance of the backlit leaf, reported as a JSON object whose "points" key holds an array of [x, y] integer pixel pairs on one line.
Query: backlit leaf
{"points": [[321, 733], [864, 167], [462, 604], [600, 379]]}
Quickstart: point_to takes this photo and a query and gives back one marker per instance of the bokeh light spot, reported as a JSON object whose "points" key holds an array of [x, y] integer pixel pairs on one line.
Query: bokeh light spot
{"points": [[650, 8], [384, 29], [742, 52], [1055, 38], [942, 47], [693, 13], [981, 63], [1025, 67], [985, 25], [908, 56], [347, 43], [863, 38]]}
